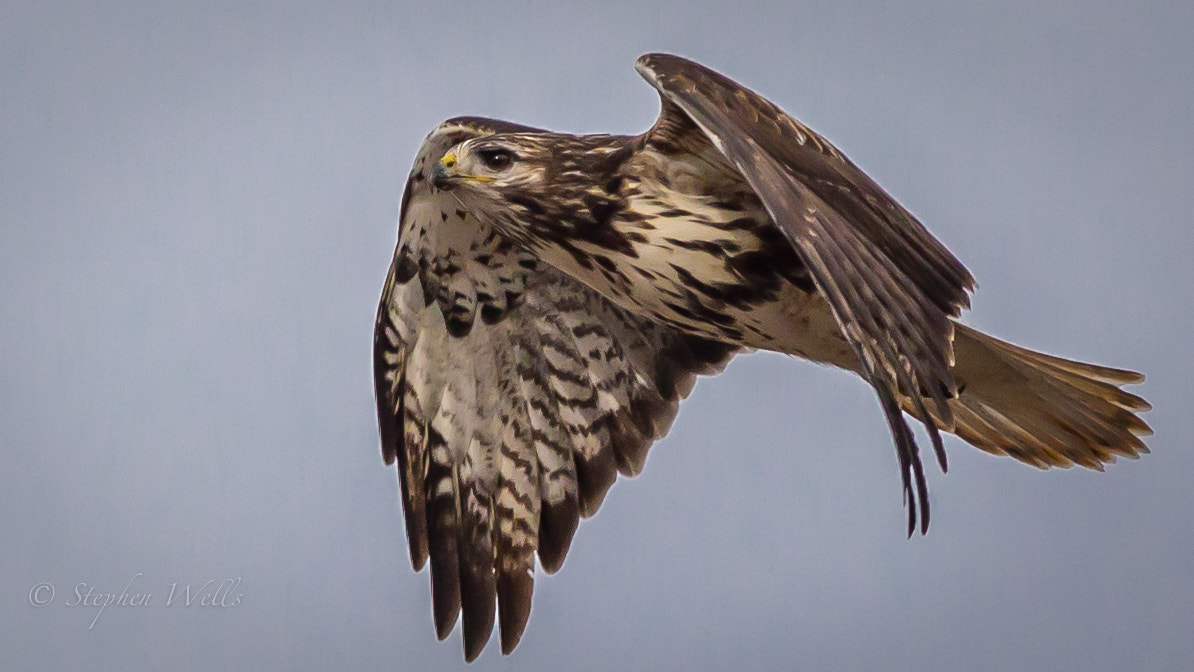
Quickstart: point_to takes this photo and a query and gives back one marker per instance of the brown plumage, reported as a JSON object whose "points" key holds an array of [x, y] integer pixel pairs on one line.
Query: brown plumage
{"points": [[553, 297]]}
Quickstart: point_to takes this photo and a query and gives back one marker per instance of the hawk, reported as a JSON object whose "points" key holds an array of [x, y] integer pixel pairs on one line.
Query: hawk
{"points": [[553, 297]]}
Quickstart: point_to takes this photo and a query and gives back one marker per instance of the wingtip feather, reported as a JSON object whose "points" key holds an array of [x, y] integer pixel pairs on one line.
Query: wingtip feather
{"points": [[514, 606]]}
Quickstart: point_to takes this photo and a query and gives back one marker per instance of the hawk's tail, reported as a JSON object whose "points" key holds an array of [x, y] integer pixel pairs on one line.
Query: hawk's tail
{"points": [[1043, 410]]}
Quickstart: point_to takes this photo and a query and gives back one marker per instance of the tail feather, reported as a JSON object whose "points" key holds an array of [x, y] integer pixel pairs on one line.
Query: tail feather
{"points": [[1042, 410]]}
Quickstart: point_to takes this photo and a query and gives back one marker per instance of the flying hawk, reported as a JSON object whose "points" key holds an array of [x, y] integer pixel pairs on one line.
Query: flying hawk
{"points": [[552, 298]]}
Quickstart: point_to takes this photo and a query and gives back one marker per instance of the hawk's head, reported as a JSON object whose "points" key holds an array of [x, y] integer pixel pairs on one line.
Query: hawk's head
{"points": [[490, 164], [537, 186]]}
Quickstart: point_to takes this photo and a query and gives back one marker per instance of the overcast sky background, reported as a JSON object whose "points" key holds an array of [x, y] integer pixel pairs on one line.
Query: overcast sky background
{"points": [[197, 210]]}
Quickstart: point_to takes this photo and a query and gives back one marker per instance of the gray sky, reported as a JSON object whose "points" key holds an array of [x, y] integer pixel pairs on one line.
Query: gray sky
{"points": [[197, 209]]}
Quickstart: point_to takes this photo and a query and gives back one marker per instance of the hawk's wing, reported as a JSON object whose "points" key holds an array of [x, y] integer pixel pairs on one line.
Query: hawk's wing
{"points": [[890, 284], [510, 396]]}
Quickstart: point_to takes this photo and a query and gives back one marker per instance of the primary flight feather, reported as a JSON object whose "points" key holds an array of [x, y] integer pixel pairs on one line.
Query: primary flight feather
{"points": [[553, 297]]}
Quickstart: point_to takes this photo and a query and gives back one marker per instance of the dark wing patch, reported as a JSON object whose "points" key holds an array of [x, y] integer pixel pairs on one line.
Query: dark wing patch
{"points": [[890, 284]]}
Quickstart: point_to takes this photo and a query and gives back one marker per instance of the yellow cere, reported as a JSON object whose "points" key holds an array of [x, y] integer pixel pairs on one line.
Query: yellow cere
{"points": [[449, 161]]}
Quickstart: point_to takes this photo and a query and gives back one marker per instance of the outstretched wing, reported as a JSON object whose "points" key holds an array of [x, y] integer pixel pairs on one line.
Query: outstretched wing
{"points": [[891, 286], [510, 396]]}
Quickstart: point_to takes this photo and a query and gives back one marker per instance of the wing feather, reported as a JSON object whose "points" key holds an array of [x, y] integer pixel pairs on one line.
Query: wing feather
{"points": [[396, 320], [490, 505], [826, 171], [516, 506], [559, 510], [890, 285]]}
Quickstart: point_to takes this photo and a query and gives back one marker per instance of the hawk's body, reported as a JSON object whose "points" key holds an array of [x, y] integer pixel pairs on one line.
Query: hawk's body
{"points": [[552, 298]]}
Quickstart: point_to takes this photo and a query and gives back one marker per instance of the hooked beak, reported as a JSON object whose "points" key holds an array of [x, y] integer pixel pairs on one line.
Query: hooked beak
{"points": [[444, 174], [441, 178]]}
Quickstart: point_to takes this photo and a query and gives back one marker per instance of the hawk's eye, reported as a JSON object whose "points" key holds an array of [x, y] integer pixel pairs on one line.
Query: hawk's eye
{"points": [[496, 159]]}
